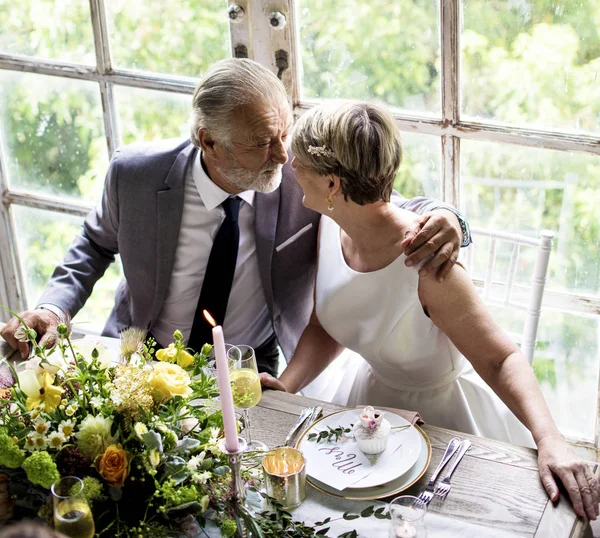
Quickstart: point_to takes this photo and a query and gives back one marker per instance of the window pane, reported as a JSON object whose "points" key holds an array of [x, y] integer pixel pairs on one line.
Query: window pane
{"points": [[42, 239], [419, 173], [532, 62], [525, 190], [53, 135], [49, 29], [181, 38], [377, 49], [146, 115]]}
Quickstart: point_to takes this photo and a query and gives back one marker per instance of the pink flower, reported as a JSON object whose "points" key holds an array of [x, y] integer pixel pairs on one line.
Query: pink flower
{"points": [[371, 418]]}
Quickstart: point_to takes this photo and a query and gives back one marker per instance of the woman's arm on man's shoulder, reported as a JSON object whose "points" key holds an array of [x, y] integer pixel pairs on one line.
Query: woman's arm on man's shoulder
{"points": [[441, 230]]}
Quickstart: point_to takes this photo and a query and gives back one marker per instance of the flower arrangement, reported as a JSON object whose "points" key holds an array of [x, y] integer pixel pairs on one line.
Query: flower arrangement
{"points": [[142, 433], [128, 429]]}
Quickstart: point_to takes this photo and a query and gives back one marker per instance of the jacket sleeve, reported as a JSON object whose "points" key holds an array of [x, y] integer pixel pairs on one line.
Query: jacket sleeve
{"points": [[90, 254], [418, 204]]}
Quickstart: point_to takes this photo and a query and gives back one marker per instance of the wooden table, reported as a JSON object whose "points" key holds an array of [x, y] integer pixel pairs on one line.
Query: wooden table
{"points": [[497, 485]]}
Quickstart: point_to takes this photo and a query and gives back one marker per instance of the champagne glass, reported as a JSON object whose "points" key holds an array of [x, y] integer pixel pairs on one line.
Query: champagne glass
{"points": [[245, 386], [72, 514]]}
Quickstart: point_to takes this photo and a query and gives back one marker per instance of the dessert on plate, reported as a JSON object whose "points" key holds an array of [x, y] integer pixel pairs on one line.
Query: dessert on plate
{"points": [[371, 431]]}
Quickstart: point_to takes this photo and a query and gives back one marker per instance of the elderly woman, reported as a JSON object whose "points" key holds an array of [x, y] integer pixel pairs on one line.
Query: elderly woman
{"points": [[429, 346]]}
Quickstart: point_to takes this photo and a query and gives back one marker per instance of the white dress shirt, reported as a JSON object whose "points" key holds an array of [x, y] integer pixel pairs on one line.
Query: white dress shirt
{"points": [[247, 320]]}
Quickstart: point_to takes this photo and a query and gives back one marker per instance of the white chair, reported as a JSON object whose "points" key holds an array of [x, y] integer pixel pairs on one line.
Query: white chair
{"points": [[531, 304]]}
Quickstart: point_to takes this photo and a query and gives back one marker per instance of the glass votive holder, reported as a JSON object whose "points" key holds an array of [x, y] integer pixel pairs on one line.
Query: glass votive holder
{"points": [[285, 476], [407, 517]]}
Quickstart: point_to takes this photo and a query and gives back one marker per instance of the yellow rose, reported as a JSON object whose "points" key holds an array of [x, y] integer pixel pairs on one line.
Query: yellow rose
{"points": [[113, 465], [169, 380], [172, 354]]}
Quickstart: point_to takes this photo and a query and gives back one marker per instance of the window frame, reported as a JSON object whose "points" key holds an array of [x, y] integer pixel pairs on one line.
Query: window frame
{"points": [[261, 41]]}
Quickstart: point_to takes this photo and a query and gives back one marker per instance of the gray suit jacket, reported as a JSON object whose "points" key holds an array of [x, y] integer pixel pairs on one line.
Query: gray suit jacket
{"points": [[139, 218]]}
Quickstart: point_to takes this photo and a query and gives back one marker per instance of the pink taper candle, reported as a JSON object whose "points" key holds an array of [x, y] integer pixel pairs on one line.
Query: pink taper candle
{"points": [[229, 422]]}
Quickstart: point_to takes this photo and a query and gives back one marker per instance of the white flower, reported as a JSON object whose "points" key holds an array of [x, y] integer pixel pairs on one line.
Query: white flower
{"points": [[66, 427], [94, 435], [140, 429], [116, 397], [29, 442], [154, 458], [201, 478], [214, 436], [88, 350], [56, 440], [70, 411], [39, 441], [97, 401], [41, 426], [53, 363], [194, 461], [188, 424], [25, 335], [136, 360]]}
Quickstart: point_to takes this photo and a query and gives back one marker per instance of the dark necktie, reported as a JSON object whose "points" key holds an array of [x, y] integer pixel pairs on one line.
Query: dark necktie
{"points": [[218, 277]]}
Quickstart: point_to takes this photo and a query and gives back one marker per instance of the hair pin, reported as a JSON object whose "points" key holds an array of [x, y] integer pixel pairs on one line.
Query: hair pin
{"points": [[322, 151]]}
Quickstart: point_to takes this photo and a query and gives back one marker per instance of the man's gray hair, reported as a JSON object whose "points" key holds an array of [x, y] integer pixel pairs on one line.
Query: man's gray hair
{"points": [[229, 85]]}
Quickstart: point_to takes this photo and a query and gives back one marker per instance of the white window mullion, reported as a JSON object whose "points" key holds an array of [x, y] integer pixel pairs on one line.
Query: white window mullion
{"points": [[11, 286], [450, 38], [239, 29], [272, 40], [451, 170], [103, 63]]}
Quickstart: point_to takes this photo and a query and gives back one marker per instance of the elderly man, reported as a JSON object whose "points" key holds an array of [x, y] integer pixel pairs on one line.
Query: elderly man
{"points": [[209, 224]]}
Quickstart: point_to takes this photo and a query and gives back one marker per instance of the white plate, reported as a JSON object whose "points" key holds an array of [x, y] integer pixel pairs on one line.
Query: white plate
{"points": [[393, 467], [385, 490]]}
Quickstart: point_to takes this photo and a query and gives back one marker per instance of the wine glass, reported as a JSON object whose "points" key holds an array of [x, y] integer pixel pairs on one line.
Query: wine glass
{"points": [[245, 386], [72, 514]]}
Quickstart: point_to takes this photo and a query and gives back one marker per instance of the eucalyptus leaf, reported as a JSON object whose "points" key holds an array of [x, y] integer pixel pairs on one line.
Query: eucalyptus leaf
{"points": [[178, 512], [186, 445], [153, 441]]}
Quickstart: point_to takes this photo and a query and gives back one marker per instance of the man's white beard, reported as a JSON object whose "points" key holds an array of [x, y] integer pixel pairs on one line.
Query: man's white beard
{"points": [[267, 179]]}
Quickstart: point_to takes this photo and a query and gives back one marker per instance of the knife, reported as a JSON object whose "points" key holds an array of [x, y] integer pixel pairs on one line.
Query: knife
{"points": [[318, 411], [306, 413]]}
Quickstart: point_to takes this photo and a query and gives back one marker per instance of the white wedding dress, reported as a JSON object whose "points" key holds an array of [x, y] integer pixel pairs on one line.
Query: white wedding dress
{"points": [[408, 362]]}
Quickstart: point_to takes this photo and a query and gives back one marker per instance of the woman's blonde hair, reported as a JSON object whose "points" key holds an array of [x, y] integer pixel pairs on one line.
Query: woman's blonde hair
{"points": [[357, 141]]}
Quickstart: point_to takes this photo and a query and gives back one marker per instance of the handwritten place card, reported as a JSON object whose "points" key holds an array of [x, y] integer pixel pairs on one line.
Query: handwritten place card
{"points": [[341, 464]]}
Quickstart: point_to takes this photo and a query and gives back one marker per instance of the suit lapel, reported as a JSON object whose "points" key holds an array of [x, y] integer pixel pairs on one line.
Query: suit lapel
{"points": [[169, 203], [267, 212]]}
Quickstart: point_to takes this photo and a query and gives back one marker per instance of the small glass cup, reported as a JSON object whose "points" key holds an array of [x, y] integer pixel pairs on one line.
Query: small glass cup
{"points": [[245, 387], [285, 476], [407, 517], [72, 514]]}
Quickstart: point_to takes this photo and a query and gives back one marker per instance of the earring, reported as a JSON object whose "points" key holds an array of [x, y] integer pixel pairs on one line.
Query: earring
{"points": [[329, 203]]}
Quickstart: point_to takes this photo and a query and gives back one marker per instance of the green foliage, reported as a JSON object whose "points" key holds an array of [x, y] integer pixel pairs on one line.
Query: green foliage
{"points": [[41, 469], [11, 455]]}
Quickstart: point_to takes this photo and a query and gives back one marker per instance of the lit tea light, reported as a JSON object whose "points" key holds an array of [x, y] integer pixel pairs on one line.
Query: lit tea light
{"points": [[285, 476], [405, 530]]}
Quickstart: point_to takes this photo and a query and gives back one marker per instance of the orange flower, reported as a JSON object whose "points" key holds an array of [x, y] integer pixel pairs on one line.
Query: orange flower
{"points": [[113, 465]]}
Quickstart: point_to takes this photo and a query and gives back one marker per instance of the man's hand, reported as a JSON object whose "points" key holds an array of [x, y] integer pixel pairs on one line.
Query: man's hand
{"points": [[435, 232], [41, 321], [270, 382]]}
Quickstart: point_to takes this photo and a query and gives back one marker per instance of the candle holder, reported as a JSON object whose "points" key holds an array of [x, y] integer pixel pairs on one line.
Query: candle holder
{"points": [[407, 517], [285, 476], [235, 462]]}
